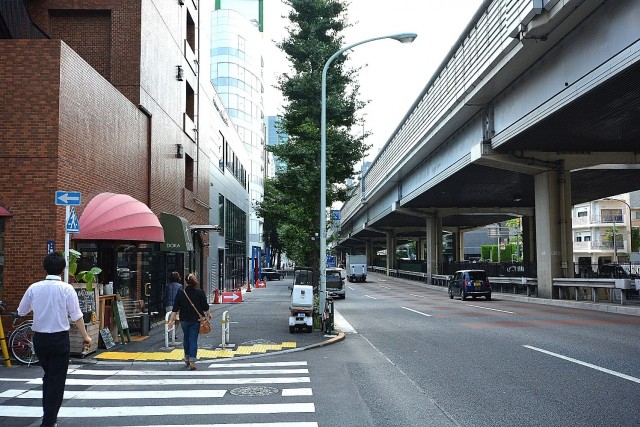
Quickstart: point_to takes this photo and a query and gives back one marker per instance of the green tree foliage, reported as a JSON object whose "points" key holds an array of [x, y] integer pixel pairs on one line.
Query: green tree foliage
{"points": [[313, 36], [272, 217]]}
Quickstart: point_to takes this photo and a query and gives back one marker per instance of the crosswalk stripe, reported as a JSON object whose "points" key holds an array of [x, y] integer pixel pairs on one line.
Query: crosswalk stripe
{"points": [[157, 394], [297, 392], [285, 424], [184, 381], [139, 411], [256, 364], [203, 373], [117, 395]]}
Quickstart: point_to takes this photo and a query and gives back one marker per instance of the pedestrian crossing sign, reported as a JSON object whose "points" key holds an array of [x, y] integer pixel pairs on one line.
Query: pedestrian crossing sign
{"points": [[73, 225]]}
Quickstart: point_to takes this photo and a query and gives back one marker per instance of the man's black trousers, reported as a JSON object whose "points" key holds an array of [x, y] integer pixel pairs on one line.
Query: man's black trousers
{"points": [[53, 352]]}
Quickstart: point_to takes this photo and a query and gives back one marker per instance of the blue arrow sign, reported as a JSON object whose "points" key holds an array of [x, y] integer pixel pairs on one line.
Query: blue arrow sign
{"points": [[68, 198], [73, 225]]}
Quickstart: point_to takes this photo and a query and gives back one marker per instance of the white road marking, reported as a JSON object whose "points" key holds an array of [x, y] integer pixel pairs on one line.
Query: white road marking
{"points": [[285, 424], [183, 381], [194, 373], [588, 365], [492, 309], [419, 296], [256, 365], [341, 323], [416, 311], [369, 296], [141, 411], [116, 395], [353, 289], [288, 392]]}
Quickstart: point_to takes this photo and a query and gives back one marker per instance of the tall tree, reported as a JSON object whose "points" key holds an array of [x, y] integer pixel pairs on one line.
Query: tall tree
{"points": [[313, 36]]}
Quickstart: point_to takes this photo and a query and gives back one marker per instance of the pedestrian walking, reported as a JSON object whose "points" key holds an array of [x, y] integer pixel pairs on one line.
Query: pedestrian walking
{"points": [[52, 302], [192, 304], [172, 290]]}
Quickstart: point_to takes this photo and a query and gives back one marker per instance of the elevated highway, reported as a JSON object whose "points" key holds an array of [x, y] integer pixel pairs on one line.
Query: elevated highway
{"points": [[536, 108]]}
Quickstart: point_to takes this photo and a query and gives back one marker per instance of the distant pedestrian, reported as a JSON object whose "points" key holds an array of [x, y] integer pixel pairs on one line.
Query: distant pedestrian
{"points": [[171, 290], [190, 316], [53, 302]]}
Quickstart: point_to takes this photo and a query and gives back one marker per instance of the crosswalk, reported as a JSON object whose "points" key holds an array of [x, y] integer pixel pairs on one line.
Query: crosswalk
{"points": [[271, 394]]}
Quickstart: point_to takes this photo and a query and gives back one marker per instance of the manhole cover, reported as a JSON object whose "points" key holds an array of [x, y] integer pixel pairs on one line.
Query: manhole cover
{"points": [[254, 391]]}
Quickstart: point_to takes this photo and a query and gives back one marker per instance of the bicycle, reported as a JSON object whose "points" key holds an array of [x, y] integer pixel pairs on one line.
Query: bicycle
{"points": [[21, 339]]}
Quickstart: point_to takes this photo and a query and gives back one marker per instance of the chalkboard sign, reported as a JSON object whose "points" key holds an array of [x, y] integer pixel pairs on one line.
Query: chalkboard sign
{"points": [[86, 300], [122, 315], [107, 339]]}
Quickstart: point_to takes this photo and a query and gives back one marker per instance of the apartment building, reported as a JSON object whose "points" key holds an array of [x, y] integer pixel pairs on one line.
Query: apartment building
{"points": [[602, 231]]}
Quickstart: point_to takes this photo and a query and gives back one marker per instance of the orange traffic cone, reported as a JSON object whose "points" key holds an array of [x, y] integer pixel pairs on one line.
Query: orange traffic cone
{"points": [[216, 297]]}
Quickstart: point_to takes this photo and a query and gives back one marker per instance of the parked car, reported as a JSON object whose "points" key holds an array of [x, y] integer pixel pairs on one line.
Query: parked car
{"points": [[270, 274], [335, 283], [613, 271], [470, 283]]}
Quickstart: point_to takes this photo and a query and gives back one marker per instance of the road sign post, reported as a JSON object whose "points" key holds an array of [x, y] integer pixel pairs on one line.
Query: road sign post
{"points": [[72, 225]]}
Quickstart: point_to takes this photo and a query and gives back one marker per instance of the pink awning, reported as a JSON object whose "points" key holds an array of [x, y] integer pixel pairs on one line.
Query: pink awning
{"points": [[4, 212], [110, 216]]}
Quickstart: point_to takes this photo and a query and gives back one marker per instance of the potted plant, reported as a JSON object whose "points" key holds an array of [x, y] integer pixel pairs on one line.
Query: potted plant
{"points": [[88, 277]]}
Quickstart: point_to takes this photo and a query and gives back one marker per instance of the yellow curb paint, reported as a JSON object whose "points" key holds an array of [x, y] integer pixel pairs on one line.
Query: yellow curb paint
{"points": [[178, 354]]}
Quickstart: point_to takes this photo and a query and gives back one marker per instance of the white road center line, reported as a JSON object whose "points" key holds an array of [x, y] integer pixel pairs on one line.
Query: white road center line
{"points": [[369, 296], [588, 365], [492, 309], [419, 312]]}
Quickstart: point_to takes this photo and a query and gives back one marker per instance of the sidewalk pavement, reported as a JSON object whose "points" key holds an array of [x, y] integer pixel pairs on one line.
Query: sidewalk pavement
{"points": [[259, 325]]}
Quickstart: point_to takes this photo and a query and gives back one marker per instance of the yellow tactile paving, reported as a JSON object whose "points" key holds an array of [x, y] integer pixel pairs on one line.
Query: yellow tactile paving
{"points": [[178, 354]]}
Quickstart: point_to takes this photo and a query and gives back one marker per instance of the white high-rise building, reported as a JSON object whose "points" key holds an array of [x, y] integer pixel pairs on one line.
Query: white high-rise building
{"points": [[237, 74]]}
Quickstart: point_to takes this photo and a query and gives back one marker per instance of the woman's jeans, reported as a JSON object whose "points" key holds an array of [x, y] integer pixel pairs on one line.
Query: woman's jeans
{"points": [[190, 339]]}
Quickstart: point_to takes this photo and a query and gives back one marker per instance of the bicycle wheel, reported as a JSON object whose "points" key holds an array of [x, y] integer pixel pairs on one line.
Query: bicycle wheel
{"points": [[21, 344]]}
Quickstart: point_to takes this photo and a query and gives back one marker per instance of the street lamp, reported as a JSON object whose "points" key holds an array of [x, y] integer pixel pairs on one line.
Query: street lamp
{"points": [[402, 38], [615, 249]]}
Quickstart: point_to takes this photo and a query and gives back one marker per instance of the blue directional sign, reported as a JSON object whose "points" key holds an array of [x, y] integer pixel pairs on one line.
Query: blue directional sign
{"points": [[73, 225], [68, 198]]}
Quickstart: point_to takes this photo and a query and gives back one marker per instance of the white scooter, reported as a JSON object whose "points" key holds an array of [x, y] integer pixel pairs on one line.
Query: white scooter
{"points": [[301, 308]]}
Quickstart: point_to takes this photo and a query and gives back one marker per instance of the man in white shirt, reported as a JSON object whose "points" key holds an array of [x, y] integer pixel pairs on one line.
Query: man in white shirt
{"points": [[53, 302]]}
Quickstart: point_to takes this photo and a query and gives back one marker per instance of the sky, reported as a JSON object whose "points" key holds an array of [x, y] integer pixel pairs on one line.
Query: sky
{"points": [[392, 74]]}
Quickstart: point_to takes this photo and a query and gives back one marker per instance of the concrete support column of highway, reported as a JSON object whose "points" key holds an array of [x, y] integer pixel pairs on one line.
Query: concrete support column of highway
{"points": [[553, 229], [528, 239], [391, 251], [458, 241], [370, 253], [420, 249], [434, 243]]}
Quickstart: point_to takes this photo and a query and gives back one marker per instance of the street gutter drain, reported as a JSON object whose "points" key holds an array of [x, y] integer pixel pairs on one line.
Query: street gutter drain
{"points": [[254, 391]]}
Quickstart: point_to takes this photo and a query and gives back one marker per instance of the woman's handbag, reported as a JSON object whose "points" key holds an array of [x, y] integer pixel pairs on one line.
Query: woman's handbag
{"points": [[205, 326]]}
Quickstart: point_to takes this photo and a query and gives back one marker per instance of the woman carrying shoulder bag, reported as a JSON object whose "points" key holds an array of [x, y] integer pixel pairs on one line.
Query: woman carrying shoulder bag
{"points": [[192, 304]]}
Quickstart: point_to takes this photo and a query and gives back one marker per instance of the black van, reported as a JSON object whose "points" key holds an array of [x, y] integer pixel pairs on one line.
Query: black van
{"points": [[470, 283]]}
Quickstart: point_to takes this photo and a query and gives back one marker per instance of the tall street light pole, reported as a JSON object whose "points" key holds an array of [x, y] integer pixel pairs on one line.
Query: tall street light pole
{"points": [[402, 38]]}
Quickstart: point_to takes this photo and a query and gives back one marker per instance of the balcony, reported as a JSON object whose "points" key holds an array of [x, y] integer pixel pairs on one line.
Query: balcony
{"points": [[621, 221], [600, 246]]}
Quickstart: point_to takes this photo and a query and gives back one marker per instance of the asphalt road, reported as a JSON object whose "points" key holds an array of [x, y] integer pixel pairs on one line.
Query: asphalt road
{"points": [[484, 363], [413, 358]]}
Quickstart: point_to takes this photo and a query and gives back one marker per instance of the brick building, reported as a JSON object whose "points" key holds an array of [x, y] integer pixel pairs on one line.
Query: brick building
{"points": [[105, 96]]}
